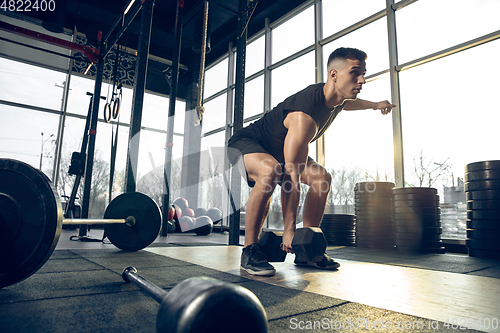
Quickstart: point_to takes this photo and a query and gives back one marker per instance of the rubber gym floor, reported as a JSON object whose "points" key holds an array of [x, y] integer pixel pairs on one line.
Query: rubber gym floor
{"points": [[80, 289]]}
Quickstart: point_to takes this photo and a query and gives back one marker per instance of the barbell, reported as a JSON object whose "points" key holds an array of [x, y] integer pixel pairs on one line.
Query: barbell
{"points": [[203, 304], [31, 219]]}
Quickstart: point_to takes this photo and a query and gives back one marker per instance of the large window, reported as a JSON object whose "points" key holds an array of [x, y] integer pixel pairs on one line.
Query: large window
{"points": [[372, 39], [293, 35], [338, 15], [428, 26], [215, 113], [30, 85], [255, 53], [254, 97], [291, 78], [215, 78], [450, 117]]}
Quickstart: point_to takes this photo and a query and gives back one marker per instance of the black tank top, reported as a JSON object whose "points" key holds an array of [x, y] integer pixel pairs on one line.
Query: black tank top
{"points": [[270, 131]]}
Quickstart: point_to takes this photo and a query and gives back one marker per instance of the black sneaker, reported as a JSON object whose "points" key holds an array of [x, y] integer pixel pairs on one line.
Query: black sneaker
{"points": [[327, 263], [255, 262]]}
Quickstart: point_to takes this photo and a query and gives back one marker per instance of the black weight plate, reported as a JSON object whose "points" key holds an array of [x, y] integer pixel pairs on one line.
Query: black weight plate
{"points": [[334, 224], [416, 197], [376, 205], [416, 236], [417, 210], [340, 236], [339, 240], [338, 222], [483, 195], [333, 238], [423, 204], [30, 220], [483, 234], [482, 175], [482, 244], [484, 254], [148, 221], [483, 204], [414, 190], [481, 185], [370, 187], [413, 223], [483, 224], [345, 235], [374, 196], [374, 216], [342, 244], [484, 165], [423, 244], [418, 217], [338, 216], [339, 231], [374, 227], [489, 214], [417, 230], [366, 235]]}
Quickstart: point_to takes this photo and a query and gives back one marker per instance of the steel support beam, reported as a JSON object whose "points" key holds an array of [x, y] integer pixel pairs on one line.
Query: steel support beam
{"points": [[396, 99], [141, 68], [239, 100], [167, 169], [90, 52], [91, 142], [318, 55]]}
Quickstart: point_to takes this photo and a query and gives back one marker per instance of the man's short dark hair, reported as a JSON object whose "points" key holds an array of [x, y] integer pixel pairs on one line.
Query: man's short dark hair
{"points": [[347, 53]]}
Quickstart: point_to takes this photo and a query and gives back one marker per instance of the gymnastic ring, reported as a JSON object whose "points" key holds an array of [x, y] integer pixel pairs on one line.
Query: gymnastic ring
{"points": [[116, 108], [107, 112]]}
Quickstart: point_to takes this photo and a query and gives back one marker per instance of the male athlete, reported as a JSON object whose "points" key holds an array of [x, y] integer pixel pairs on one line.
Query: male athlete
{"points": [[274, 150]]}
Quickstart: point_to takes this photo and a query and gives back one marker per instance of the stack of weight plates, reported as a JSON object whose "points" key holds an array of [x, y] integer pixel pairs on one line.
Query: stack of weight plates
{"points": [[374, 214], [417, 223], [482, 190], [338, 229]]}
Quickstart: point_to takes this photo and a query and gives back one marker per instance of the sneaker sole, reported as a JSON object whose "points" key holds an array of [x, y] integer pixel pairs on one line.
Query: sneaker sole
{"points": [[313, 264], [260, 273]]}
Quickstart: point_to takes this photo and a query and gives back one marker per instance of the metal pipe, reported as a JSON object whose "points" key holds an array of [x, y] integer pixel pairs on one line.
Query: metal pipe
{"points": [[167, 170], [130, 275], [128, 221]]}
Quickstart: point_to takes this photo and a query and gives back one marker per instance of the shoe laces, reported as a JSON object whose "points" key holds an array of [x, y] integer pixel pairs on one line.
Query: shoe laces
{"points": [[256, 253]]}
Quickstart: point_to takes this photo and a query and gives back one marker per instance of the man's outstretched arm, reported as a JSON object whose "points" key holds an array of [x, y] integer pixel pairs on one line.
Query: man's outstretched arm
{"points": [[360, 104]]}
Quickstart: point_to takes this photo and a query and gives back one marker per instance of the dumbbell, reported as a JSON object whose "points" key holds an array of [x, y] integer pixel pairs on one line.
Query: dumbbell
{"points": [[203, 304], [308, 244]]}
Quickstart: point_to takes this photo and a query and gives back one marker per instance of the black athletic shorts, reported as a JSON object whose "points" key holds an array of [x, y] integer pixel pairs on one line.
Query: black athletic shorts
{"points": [[239, 146]]}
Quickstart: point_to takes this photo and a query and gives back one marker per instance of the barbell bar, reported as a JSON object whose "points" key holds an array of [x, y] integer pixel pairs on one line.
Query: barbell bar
{"points": [[203, 304], [130, 221], [31, 219]]}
